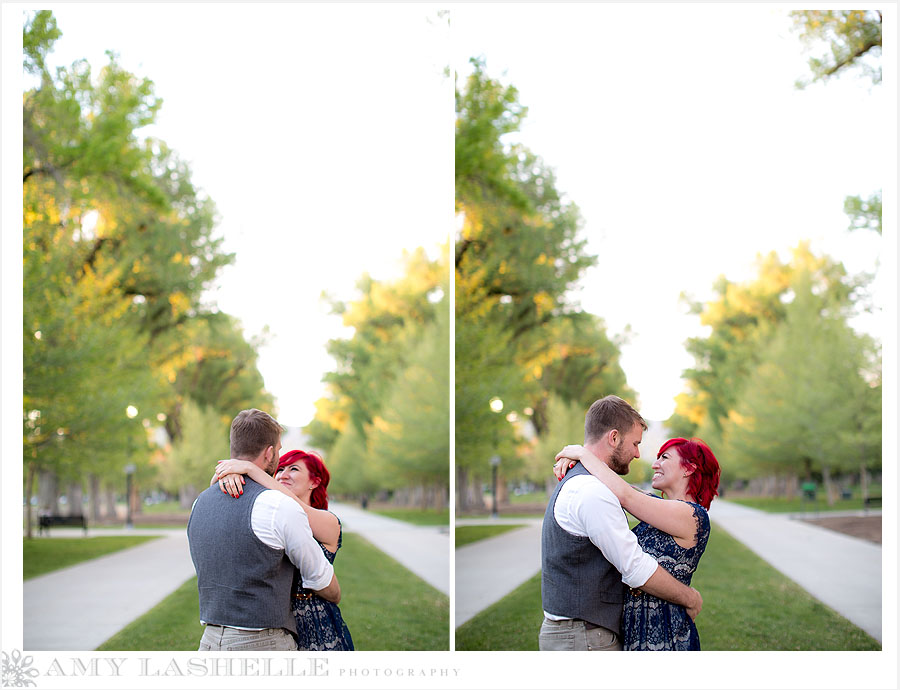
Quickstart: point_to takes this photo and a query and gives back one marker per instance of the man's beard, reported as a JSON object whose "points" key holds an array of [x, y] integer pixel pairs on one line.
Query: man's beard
{"points": [[619, 460]]}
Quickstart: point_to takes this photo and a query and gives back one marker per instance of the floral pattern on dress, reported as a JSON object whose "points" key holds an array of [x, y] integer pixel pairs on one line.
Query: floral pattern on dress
{"points": [[654, 624], [320, 626]]}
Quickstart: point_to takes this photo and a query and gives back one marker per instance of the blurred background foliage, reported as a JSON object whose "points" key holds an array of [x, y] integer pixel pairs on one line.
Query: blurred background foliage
{"points": [[123, 362], [521, 337], [385, 424]]}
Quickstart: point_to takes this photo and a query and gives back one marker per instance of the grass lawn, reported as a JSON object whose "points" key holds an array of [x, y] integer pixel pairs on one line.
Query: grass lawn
{"points": [[533, 497], [747, 606], [416, 516], [385, 606], [469, 533], [164, 507], [46, 554], [145, 525], [504, 514], [798, 505]]}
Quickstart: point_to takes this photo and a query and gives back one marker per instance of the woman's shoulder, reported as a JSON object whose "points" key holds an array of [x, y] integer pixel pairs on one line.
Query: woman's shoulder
{"points": [[701, 515]]}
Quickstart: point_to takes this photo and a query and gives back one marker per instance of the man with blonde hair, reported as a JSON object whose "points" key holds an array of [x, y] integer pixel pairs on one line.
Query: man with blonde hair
{"points": [[245, 552], [588, 553]]}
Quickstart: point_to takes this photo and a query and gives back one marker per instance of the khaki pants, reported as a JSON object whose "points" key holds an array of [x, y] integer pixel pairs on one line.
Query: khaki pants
{"points": [[218, 638], [577, 636]]}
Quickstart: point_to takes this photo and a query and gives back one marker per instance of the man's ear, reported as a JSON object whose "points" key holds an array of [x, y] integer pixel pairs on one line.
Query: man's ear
{"points": [[612, 436]]}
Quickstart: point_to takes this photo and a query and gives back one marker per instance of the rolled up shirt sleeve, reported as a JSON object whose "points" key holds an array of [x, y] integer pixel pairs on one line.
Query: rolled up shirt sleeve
{"points": [[601, 516], [290, 527]]}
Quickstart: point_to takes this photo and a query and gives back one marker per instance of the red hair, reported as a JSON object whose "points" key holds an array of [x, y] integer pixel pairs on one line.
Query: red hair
{"points": [[316, 469], [703, 483]]}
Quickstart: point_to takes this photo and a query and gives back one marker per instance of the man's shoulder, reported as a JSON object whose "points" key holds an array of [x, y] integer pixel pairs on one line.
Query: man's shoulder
{"points": [[586, 485], [279, 502]]}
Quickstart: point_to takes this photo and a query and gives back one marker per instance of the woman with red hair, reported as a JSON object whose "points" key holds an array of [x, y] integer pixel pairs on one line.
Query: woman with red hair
{"points": [[304, 477], [674, 530]]}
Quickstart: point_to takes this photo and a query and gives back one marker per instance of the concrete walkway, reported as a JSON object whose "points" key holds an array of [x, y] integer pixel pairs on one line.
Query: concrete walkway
{"points": [[489, 569], [80, 607], [842, 572], [423, 550]]}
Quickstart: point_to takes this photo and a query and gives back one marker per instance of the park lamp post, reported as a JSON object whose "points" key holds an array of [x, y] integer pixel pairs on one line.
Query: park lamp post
{"points": [[496, 407], [131, 412], [129, 473]]}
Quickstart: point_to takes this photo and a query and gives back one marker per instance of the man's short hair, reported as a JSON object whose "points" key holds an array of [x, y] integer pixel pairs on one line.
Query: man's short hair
{"points": [[252, 431], [610, 413]]}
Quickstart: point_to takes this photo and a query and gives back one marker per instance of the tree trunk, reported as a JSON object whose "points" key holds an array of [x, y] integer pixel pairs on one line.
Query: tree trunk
{"points": [[133, 500], [502, 491], [48, 493], [29, 492], [863, 481], [94, 484], [110, 496], [186, 496], [75, 494], [829, 485]]}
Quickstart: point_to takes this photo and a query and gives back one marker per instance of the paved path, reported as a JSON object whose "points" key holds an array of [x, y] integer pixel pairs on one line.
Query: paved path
{"points": [[80, 607], [842, 572], [424, 550], [489, 569]]}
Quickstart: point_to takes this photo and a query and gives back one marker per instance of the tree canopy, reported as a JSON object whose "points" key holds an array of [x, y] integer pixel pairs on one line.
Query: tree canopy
{"points": [[520, 335], [119, 246]]}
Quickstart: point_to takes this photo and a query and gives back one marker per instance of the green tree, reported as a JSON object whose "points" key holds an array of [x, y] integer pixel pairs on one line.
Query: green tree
{"points": [[519, 254], [865, 214], [742, 319], [118, 247], [795, 412], [354, 470], [851, 40], [202, 442], [848, 39], [388, 319], [412, 433]]}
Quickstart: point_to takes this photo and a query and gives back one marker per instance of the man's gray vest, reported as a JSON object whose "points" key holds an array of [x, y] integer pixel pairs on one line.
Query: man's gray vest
{"points": [[243, 582], [576, 580]]}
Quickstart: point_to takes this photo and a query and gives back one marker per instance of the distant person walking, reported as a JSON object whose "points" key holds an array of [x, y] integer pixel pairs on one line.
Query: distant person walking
{"points": [[245, 552], [587, 550]]}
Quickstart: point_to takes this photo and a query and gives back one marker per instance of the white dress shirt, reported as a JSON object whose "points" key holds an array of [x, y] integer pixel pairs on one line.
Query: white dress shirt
{"points": [[280, 522], [585, 507]]}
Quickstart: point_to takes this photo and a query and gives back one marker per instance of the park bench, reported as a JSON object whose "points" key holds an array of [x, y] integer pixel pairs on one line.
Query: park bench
{"points": [[872, 502], [48, 521]]}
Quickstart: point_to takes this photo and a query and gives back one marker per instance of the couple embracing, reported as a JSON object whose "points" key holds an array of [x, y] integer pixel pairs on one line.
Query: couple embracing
{"points": [[263, 545], [604, 587]]}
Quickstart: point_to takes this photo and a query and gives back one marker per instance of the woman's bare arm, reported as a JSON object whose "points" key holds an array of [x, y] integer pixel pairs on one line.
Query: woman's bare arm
{"points": [[324, 525], [672, 517]]}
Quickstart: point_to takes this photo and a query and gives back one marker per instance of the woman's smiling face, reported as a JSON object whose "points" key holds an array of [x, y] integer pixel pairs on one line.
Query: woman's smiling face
{"points": [[667, 470], [295, 477]]}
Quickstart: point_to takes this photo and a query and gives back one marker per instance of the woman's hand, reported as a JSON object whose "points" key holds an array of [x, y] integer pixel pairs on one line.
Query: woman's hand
{"points": [[566, 459], [229, 475]]}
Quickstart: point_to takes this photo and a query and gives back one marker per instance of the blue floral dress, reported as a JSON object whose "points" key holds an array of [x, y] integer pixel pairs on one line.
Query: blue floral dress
{"points": [[320, 626], [654, 624]]}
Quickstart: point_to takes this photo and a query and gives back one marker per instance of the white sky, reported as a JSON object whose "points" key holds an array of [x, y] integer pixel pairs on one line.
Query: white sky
{"points": [[678, 132], [324, 134]]}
